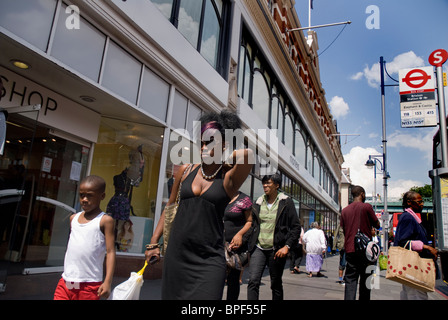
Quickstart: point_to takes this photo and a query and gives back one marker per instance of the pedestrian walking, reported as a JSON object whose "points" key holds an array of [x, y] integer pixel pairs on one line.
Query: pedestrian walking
{"points": [[194, 265], [237, 223], [357, 216], [296, 254], [339, 246], [277, 229], [315, 246], [91, 237]]}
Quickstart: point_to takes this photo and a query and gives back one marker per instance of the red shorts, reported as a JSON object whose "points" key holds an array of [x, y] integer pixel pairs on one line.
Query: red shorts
{"points": [[77, 290]]}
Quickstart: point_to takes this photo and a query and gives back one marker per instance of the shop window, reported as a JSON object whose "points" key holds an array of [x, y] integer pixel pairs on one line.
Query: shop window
{"points": [[67, 43], [29, 19], [154, 95], [127, 155], [121, 72]]}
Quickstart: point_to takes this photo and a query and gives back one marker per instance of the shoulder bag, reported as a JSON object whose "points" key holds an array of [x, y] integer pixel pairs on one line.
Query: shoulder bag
{"points": [[170, 214], [407, 267], [366, 248]]}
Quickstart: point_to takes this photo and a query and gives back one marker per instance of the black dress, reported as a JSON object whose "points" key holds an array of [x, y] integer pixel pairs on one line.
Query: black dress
{"points": [[194, 265]]}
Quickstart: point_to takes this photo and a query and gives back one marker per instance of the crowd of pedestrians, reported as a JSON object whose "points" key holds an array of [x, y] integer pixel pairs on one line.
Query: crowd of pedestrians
{"points": [[214, 216]]}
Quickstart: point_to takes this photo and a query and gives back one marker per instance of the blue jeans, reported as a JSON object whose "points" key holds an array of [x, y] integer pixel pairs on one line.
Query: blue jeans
{"points": [[258, 261]]}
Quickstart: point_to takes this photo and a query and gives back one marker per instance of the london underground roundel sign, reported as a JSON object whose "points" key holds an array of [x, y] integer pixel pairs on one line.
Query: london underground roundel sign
{"points": [[438, 57]]}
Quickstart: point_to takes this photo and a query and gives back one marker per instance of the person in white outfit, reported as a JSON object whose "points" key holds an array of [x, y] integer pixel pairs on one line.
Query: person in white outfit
{"points": [[91, 237], [315, 246]]}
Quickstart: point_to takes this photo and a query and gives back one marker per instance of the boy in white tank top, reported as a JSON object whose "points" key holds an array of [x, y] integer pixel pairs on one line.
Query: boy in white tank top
{"points": [[91, 237]]}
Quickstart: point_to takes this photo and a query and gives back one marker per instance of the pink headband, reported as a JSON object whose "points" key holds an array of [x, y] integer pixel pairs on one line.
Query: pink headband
{"points": [[210, 125]]}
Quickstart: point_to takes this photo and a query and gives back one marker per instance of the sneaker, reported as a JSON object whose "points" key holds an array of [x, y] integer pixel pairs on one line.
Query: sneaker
{"points": [[341, 282]]}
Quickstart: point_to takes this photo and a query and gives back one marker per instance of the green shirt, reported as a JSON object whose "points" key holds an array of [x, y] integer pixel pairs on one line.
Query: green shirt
{"points": [[268, 216]]}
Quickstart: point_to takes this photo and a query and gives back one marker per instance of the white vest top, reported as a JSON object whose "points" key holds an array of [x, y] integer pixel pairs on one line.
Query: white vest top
{"points": [[86, 250]]}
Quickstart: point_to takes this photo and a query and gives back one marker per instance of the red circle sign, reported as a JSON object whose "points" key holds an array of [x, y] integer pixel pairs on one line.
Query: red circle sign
{"points": [[418, 80], [438, 57]]}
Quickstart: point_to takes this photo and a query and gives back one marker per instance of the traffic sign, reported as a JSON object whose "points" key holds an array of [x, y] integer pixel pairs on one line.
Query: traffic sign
{"points": [[438, 57], [417, 97], [416, 80]]}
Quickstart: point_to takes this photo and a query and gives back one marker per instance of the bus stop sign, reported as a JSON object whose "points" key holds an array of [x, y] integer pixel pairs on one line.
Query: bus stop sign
{"points": [[438, 57]]}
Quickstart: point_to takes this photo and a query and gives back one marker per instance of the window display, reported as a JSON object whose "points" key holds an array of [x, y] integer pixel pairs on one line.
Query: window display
{"points": [[127, 155]]}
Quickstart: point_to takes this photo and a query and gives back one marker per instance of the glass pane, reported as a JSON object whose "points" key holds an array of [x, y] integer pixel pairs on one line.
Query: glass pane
{"points": [[189, 20], [29, 19], [300, 149], [165, 6], [247, 76], [260, 97], [274, 113], [210, 34], [289, 133], [241, 71], [316, 169], [154, 95], [127, 155], [67, 43], [179, 111], [309, 159], [194, 113], [121, 72]]}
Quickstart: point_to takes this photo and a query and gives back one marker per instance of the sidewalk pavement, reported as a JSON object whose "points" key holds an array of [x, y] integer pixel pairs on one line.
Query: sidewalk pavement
{"points": [[296, 286]]}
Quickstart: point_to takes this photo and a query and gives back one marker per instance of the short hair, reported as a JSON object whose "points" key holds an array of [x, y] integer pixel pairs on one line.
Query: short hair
{"points": [[97, 181], [357, 190], [410, 195], [314, 224], [276, 178]]}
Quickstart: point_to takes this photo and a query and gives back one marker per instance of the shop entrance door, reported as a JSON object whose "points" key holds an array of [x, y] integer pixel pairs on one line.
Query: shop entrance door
{"points": [[50, 170], [15, 201]]}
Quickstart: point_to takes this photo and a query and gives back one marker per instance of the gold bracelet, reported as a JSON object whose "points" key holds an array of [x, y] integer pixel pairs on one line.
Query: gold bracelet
{"points": [[152, 246]]}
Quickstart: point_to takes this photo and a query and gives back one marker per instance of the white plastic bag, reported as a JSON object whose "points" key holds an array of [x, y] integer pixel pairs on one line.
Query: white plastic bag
{"points": [[130, 289]]}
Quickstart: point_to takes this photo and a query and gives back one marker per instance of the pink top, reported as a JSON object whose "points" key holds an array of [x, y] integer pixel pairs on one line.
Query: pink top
{"points": [[416, 245]]}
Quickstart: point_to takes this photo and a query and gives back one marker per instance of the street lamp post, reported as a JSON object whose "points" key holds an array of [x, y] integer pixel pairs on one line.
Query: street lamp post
{"points": [[372, 163]]}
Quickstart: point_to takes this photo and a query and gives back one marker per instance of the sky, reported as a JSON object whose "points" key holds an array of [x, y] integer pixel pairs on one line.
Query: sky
{"points": [[404, 33]]}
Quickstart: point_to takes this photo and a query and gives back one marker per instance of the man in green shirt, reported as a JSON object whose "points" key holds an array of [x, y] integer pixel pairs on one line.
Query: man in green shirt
{"points": [[276, 229]]}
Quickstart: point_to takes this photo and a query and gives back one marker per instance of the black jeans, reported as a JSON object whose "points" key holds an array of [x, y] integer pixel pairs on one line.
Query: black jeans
{"points": [[258, 261], [356, 270]]}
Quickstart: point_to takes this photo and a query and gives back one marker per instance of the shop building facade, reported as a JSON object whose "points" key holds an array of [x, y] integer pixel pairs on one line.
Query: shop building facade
{"points": [[111, 87]]}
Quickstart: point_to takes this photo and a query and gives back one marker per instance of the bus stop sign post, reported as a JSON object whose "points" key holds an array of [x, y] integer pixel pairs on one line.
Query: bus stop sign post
{"points": [[439, 176]]}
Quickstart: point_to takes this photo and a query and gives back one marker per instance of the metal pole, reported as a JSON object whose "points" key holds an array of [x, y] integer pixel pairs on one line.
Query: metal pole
{"points": [[383, 113], [319, 26], [442, 117]]}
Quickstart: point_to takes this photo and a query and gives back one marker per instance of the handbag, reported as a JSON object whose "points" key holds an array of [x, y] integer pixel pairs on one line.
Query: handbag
{"points": [[170, 214], [235, 260], [407, 267], [130, 289]]}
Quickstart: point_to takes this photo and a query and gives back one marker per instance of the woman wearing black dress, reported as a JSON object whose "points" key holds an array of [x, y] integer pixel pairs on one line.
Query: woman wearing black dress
{"points": [[194, 263]]}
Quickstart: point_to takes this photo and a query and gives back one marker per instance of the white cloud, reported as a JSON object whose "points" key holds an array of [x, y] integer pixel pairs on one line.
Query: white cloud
{"points": [[339, 108], [402, 61], [361, 175], [418, 140]]}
